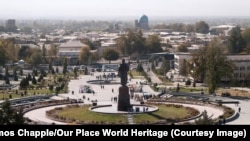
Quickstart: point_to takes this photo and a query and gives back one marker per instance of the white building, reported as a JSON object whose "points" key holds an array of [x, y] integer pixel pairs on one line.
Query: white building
{"points": [[242, 66], [179, 58], [241, 70], [71, 50]]}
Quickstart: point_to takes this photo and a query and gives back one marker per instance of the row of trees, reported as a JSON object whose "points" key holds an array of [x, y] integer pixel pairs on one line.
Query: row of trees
{"points": [[199, 27], [10, 51], [134, 43], [130, 44]]}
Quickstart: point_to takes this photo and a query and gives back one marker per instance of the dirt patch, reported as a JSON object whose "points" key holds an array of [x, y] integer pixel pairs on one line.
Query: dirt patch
{"points": [[234, 93]]}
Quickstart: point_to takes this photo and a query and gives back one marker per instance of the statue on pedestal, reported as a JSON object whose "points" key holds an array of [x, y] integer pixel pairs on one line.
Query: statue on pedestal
{"points": [[123, 96]]}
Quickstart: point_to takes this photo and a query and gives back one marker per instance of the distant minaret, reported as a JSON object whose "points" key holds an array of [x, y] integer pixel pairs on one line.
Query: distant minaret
{"points": [[136, 24]]}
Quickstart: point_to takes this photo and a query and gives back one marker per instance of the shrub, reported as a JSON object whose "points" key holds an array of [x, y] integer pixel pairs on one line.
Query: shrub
{"points": [[188, 82]]}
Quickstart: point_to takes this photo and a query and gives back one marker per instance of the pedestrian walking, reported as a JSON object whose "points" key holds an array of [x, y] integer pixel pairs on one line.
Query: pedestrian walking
{"points": [[239, 109]]}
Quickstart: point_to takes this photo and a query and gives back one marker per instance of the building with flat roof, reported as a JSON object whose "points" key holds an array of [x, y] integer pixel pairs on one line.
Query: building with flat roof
{"points": [[71, 50], [241, 66], [241, 70], [11, 25]]}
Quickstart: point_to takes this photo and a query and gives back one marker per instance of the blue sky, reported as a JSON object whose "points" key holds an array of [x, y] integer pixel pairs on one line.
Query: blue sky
{"points": [[121, 8]]}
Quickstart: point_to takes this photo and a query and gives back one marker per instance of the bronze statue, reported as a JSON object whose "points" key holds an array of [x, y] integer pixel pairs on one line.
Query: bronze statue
{"points": [[123, 72]]}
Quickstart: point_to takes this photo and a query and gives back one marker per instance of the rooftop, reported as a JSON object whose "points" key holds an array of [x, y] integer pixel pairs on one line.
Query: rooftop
{"points": [[72, 43]]}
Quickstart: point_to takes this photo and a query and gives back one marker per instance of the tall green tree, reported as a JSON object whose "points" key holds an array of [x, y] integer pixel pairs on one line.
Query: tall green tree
{"points": [[3, 54], [202, 27], [15, 75], [85, 55], [236, 41], [210, 64], [132, 43], [50, 65], [65, 65], [153, 44], [123, 44], [94, 57], [183, 68], [10, 116], [34, 80], [246, 35], [24, 52], [7, 80], [43, 54], [165, 67], [138, 45], [217, 65], [53, 50], [3, 57], [36, 58], [110, 55], [11, 49], [197, 64]]}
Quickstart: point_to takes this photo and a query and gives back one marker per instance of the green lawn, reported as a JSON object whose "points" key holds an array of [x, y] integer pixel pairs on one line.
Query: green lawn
{"points": [[83, 114], [173, 113], [6, 94], [190, 89], [135, 73], [170, 113]]}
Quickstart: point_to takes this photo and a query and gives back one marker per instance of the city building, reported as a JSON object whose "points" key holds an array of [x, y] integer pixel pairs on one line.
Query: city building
{"points": [[241, 66], [241, 70], [71, 50], [179, 58], [11, 25]]}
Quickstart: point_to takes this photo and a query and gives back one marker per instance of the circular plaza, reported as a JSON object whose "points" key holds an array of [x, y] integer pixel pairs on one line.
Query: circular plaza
{"points": [[102, 100]]}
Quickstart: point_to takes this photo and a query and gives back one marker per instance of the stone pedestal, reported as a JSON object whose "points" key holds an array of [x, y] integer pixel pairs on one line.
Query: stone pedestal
{"points": [[123, 99]]}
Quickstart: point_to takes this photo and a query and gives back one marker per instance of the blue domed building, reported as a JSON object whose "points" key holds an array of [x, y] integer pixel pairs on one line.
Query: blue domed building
{"points": [[143, 23]]}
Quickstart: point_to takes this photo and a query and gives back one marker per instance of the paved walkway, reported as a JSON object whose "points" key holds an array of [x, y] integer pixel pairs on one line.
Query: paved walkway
{"points": [[39, 115], [154, 78], [244, 117]]}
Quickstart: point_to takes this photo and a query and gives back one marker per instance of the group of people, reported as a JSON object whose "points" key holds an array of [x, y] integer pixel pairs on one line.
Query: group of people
{"points": [[114, 99]]}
